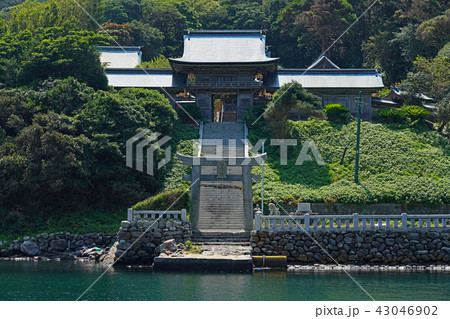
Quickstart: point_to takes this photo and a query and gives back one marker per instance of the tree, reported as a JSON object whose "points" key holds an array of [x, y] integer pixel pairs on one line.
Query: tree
{"points": [[432, 77], [421, 10], [66, 96], [150, 38], [290, 97], [292, 41], [327, 19], [249, 16], [52, 52], [160, 62], [171, 17], [436, 31], [381, 52], [211, 14], [121, 11], [411, 46], [120, 32], [32, 15]]}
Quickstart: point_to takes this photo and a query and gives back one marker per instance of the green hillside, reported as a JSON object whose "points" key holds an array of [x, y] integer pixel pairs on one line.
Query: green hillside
{"points": [[398, 164]]}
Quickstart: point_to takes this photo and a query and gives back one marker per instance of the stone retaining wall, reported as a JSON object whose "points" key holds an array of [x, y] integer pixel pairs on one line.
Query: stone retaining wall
{"points": [[146, 248], [59, 244], [355, 247]]}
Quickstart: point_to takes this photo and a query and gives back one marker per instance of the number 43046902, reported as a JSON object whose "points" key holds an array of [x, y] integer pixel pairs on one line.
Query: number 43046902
{"points": [[411, 310]]}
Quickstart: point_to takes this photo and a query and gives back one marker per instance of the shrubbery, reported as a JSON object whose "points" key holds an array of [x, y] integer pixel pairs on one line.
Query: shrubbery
{"points": [[337, 113], [407, 114], [414, 112], [176, 199], [391, 115], [187, 112]]}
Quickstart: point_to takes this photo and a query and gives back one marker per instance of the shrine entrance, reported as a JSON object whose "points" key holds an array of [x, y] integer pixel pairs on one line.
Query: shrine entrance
{"points": [[224, 107], [221, 184]]}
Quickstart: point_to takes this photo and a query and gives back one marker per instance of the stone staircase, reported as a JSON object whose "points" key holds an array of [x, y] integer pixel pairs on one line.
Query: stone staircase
{"points": [[231, 134], [221, 205]]}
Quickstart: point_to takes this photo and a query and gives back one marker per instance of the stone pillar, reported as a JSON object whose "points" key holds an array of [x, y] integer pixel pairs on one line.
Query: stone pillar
{"points": [[248, 198], [195, 197]]}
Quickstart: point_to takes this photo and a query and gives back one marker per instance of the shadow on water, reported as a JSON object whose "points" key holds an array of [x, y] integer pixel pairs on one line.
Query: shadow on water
{"points": [[67, 281]]}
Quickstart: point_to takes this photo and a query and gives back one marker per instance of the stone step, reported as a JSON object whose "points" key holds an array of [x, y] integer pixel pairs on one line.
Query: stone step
{"points": [[229, 117], [221, 235], [221, 206]]}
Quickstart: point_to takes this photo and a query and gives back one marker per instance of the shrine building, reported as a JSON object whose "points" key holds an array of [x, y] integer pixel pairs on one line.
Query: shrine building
{"points": [[225, 72]]}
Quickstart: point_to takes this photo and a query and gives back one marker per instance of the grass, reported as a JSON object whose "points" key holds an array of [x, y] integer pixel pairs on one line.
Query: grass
{"points": [[398, 164], [193, 249]]}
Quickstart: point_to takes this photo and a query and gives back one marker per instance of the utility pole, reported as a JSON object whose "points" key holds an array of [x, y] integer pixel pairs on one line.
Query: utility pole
{"points": [[262, 182], [358, 133]]}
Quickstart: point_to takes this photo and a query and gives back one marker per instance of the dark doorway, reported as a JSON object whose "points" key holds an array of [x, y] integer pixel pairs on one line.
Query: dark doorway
{"points": [[225, 107]]}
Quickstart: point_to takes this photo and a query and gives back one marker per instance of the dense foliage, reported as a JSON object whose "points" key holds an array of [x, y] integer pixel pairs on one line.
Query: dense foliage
{"points": [[29, 57], [63, 145]]}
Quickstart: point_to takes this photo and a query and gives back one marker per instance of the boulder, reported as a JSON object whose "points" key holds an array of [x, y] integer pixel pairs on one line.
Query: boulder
{"points": [[30, 248], [58, 244], [169, 245], [289, 247]]}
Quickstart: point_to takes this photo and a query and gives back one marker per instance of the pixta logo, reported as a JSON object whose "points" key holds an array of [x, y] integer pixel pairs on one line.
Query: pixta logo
{"points": [[151, 142]]}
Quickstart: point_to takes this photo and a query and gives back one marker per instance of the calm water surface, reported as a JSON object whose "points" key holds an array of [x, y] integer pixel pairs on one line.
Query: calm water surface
{"points": [[67, 281]]}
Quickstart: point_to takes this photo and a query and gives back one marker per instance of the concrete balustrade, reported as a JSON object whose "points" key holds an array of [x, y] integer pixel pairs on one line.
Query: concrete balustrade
{"points": [[403, 222], [135, 215]]}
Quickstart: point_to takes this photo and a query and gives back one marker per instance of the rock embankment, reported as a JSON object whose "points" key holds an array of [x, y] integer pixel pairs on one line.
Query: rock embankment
{"points": [[139, 240], [61, 245], [355, 247]]}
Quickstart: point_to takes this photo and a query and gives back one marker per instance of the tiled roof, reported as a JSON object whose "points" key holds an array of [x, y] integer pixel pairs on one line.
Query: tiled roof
{"points": [[145, 78], [224, 47], [327, 78], [120, 57]]}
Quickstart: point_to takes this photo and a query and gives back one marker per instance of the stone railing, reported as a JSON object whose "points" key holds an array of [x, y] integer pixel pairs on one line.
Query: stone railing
{"points": [[403, 222], [134, 215]]}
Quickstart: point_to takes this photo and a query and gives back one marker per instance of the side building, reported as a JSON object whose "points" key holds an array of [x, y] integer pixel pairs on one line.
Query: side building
{"points": [[224, 72]]}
